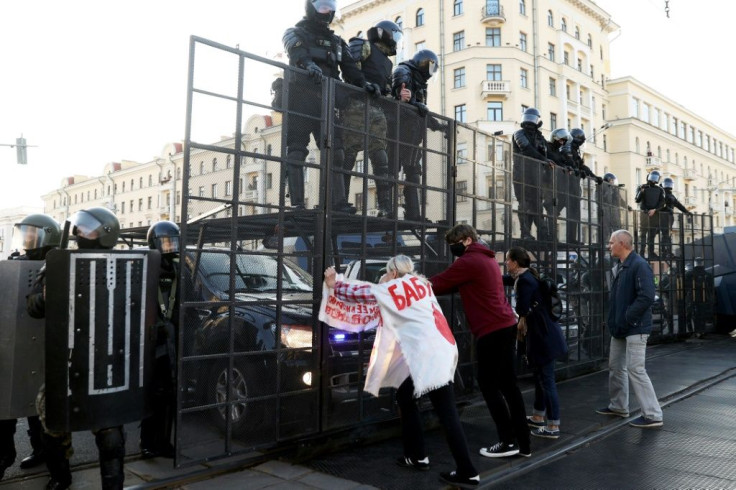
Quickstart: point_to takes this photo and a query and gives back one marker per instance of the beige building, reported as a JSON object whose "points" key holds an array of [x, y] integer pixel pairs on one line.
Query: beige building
{"points": [[497, 58]]}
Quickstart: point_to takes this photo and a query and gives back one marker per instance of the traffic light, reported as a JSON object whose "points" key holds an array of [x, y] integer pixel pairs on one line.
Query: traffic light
{"points": [[20, 151]]}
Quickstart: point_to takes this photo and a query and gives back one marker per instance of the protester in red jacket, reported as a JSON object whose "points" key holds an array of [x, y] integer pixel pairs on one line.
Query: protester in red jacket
{"points": [[477, 276]]}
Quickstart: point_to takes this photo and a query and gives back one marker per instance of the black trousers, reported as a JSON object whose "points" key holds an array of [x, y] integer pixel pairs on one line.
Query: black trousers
{"points": [[443, 401], [497, 381]]}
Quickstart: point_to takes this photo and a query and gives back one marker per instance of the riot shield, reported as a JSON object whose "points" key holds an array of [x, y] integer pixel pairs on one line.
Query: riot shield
{"points": [[21, 341], [100, 337]]}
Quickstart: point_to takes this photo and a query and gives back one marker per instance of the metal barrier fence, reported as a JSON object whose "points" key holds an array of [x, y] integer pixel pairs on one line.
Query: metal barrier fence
{"points": [[263, 220]]}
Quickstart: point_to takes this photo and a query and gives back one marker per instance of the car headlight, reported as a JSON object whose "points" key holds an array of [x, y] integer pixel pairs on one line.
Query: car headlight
{"points": [[296, 336]]}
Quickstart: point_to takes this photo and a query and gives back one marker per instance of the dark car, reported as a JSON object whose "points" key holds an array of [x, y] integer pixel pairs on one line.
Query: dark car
{"points": [[267, 332]]}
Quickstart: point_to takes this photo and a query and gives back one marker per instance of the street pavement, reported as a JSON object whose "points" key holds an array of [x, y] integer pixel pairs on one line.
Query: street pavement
{"points": [[695, 381]]}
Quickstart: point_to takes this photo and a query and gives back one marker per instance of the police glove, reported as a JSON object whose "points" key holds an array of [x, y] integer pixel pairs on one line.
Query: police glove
{"points": [[599, 180], [422, 108], [314, 71], [373, 89]]}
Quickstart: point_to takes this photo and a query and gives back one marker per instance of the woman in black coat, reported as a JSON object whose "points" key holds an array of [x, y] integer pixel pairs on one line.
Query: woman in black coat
{"points": [[543, 339]]}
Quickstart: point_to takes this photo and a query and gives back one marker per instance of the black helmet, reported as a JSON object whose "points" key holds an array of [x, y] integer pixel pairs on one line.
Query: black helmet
{"points": [[653, 176], [610, 178], [578, 136], [95, 228], [560, 135], [322, 11], [427, 62], [36, 234], [531, 118], [165, 237], [387, 33], [668, 183]]}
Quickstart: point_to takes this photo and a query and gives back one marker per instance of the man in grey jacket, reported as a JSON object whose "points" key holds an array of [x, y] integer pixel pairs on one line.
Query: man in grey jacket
{"points": [[630, 323]]}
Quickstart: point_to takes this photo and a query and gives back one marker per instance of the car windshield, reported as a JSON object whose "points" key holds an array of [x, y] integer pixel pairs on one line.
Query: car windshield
{"points": [[253, 273]]}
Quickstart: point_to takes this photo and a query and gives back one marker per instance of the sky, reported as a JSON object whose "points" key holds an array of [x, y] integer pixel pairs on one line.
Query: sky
{"points": [[91, 82]]}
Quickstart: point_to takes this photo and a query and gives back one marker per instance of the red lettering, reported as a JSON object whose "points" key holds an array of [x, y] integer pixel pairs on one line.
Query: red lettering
{"points": [[399, 300], [410, 293], [421, 290]]}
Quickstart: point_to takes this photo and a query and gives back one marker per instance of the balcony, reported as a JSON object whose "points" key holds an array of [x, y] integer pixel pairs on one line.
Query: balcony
{"points": [[250, 195], [495, 87], [691, 201], [689, 174], [727, 210], [653, 163], [492, 14]]}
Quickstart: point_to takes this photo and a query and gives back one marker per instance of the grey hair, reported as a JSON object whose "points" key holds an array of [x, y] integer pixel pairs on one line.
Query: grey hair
{"points": [[401, 264], [625, 238]]}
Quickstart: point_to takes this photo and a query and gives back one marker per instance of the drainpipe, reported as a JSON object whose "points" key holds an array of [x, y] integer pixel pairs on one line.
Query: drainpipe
{"points": [[535, 51], [442, 57]]}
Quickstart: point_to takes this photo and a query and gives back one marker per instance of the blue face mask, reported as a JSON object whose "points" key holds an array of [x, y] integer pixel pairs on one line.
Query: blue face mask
{"points": [[457, 249]]}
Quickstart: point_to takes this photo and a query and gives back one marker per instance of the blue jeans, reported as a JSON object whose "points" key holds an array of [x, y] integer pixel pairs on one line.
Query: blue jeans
{"points": [[626, 366], [546, 401]]}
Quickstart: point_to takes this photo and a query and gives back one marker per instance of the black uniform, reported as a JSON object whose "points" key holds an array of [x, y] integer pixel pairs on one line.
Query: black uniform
{"points": [[373, 60], [412, 132], [156, 430], [666, 218], [530, 160], [554, 203], [313, 46], [612, 204], [650, 196]]}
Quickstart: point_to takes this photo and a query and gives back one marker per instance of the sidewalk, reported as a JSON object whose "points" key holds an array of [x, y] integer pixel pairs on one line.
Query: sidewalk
{"points": [[677, 370]]}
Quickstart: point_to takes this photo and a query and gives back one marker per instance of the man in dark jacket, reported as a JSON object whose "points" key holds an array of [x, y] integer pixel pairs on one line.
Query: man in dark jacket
{"points": [[666, 216], [651, 198], [630, 323], [477, 276]]}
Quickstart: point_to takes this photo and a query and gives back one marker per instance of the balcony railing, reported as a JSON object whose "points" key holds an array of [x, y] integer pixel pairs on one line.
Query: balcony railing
{"points": [[688, 174], [492, 13], [653, 162], [495, 87], [691, 201]]}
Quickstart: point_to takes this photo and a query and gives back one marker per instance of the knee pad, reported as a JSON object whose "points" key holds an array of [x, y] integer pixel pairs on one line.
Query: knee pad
{"points": [[379, 160], [111, 442]]}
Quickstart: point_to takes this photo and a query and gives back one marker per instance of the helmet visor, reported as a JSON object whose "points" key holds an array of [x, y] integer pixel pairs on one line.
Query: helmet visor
{"points": [[168, 244], [324, 6], [28, 237], [530, 118], [84, 225]]}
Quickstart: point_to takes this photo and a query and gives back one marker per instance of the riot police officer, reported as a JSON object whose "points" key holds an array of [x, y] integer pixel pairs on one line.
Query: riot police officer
{"points": [[94, 229], [156, 430], [611, 204], [651, 199], [666, 216], [530, 158], [372, 56], [35, 234], [581, 171], [412, 76], [311, 45], [559, 152]]}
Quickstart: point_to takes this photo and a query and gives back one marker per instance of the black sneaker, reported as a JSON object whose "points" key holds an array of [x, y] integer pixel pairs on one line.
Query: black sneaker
{"points": [[645, 423], [452, 478], [499, 450], [533, 424], [608, 411], [419, 464]]}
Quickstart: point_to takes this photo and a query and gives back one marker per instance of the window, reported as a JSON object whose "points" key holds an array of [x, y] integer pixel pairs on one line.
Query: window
{"points": [[550, 19], [524, 78], [634, 107], [131, 184], [214, 164], [269, 181], [553, 87], [131, 206], [580, 64], [228, 161], [458, 41], [592, 72], [123, 186], [201, 168], [214, 190], [492, 7], [577, 32], [150, 180], [419, 46], [645, 112], [201, 191], [150, 202], [457, 8], [522, 41], [461, 188], [462, 153], [493, 72], [552, 121], [359, 202], [522, 7], [566, 57], [140, 204], [551, 51], [590, 41], [228, 188], [420, 17], [495, 111], [563, 25], [459, 77], [461, 113], [399, 22], [140, 183], [493, 36]]}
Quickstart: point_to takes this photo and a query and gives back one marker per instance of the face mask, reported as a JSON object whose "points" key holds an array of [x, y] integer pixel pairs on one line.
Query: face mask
{"points": [[457, 249]]}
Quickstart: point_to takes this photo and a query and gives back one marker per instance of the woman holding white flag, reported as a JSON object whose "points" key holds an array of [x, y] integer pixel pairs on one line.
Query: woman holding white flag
{"points": [[408, 354]]}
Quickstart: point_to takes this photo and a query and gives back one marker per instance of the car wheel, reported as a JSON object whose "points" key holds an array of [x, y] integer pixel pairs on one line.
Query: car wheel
{"points": [[239, 409]]}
